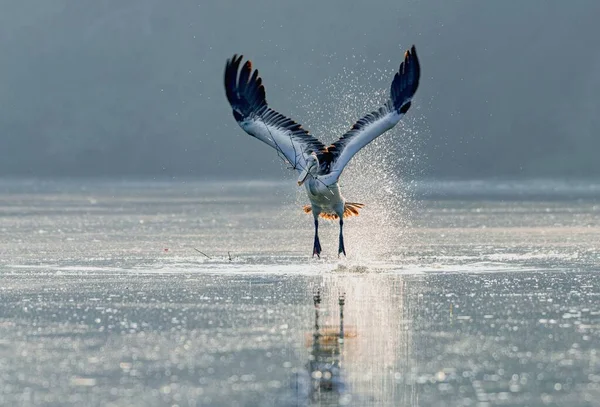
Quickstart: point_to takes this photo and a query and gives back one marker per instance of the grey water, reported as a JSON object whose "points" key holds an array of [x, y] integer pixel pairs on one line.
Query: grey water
{"points": [[181, 293]]}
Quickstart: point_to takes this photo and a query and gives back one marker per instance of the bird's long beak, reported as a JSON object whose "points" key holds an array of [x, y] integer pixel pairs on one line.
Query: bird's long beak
{"points": [[303, 175]]}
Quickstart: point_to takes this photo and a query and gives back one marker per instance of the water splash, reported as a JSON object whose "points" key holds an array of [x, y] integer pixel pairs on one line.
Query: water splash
{"points": [[380, 174]]}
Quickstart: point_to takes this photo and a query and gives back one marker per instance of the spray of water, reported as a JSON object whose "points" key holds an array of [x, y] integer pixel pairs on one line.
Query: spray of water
{"points": [[380, 174]]}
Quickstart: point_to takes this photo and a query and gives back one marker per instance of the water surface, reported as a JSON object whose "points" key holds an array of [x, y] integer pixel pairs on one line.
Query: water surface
{"points": [[205, 294]]}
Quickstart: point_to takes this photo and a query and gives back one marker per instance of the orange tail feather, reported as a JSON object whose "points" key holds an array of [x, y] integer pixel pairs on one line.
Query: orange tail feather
{"points": [[350, 209]]}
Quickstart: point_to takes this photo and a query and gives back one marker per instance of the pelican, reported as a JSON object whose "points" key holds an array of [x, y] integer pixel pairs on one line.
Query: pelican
{"points": [[319, 166]]}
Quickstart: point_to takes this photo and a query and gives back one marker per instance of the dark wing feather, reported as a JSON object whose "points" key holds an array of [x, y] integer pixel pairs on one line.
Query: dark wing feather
{"points": [[246, 94], [406, 81]]}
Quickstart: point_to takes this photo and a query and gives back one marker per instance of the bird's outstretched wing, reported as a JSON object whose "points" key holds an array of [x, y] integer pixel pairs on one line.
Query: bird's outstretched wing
{"points": [[246, 94], [334, 158]]}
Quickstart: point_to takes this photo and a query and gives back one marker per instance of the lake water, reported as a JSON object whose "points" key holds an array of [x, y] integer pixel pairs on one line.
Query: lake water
{"points": [[205, 294]]}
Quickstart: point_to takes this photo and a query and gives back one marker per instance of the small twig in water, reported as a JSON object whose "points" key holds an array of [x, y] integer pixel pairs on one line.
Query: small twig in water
{"points": [[207, 256]]}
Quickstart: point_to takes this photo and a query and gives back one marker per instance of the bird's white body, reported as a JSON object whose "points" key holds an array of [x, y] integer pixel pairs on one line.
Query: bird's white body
{"points": [[324, 198]]}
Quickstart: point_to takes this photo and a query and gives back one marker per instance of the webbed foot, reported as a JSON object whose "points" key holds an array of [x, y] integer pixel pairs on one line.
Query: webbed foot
{"points": [[317, 247], [341, 248]]}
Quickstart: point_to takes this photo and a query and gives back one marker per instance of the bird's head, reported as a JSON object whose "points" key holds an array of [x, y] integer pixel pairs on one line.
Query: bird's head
{"points": [[311, 168]]}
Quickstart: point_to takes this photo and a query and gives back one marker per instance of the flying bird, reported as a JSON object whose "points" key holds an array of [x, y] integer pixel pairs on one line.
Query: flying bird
{"points": [[319, 166]]}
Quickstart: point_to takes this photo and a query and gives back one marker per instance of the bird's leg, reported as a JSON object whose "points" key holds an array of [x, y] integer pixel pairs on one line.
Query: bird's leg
{"points": [[317, 245], [341, 248]]}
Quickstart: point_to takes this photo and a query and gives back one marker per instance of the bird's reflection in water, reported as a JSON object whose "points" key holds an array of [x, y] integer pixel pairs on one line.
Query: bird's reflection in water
{"points": [[360, 348], [325, 365], [323, 383]]}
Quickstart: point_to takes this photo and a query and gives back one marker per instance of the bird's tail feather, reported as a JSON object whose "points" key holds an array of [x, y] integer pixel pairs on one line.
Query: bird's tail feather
{"points": [[350, 209]]}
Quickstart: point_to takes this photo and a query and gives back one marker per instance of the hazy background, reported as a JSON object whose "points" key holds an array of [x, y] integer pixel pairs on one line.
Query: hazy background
{"points": [[134, 88]]}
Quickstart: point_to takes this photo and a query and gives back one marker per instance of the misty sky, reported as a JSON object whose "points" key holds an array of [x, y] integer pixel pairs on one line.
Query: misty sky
{"points": [[111, 88]]}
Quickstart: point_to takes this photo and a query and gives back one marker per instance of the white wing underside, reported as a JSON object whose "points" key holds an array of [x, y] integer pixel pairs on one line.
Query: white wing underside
{"points": [[246, 94], [367, 134], [374, 124], [292, 151]]}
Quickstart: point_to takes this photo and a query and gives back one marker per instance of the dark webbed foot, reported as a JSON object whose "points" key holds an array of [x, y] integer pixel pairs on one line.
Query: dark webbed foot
{"points": [[317, 247], [341, 248]]}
